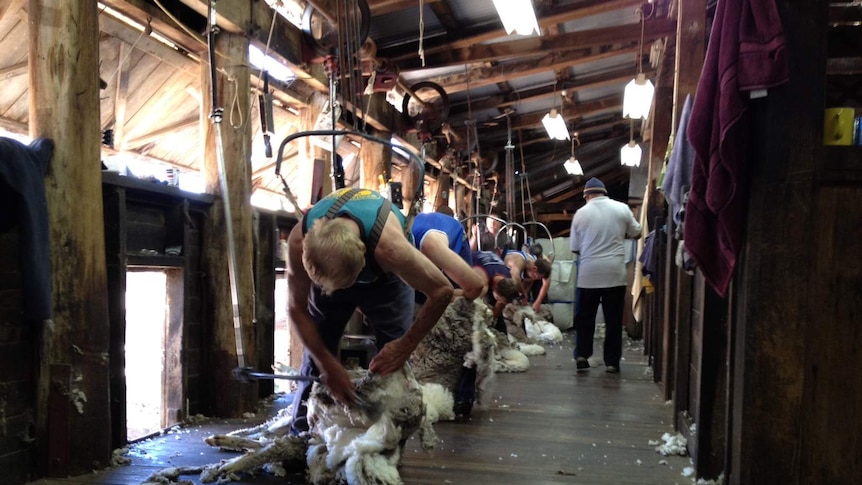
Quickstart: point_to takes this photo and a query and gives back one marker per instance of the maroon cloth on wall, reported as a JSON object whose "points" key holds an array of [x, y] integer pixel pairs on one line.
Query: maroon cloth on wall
{"points": [[746, 51]]}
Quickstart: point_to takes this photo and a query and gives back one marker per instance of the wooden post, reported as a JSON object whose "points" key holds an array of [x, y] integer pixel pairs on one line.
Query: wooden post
{"points": [[376, 160], [229, 397], [309, 154], [443, 184], [64, 106]]}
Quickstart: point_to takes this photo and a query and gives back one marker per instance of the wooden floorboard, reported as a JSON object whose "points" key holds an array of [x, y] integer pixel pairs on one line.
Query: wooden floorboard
{"points": [[549, 425]]}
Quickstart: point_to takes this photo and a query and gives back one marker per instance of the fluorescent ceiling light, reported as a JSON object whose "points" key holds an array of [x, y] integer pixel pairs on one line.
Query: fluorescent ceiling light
{"points": [[555, 126], [276, 70], [517, 16]]}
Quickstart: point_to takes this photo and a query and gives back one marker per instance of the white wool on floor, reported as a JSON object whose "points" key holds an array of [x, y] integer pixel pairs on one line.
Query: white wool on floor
{"points": [[673, 445]]}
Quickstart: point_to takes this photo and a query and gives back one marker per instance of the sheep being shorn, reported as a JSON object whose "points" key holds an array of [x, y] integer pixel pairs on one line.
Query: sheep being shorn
{"points": [[458, 353], [358, 445], [536, 326], [363, 445]]}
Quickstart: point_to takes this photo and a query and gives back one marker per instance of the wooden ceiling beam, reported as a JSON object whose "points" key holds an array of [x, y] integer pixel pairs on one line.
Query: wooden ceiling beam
{"points": [[178, 60], [581, 110], [611, 78], [583, 130], [383, 7], [536, 46], [481, 76], [14, 126], [14, 70], [617, 77], [444, 13], [154, 136], [14, 13], [593, 8]]}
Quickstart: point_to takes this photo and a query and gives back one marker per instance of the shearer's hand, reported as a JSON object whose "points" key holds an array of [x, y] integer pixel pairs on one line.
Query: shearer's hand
{"points": [[339, 384], [390, 358]]}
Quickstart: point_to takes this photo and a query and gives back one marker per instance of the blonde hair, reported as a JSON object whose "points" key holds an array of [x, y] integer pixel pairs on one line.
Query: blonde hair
{"points": [[333, 254]]}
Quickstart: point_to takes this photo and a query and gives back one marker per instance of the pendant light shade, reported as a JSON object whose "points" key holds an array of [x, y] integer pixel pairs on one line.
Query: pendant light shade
{"points": [[630, 154], [573, 166], [518, 16], [555, 126], [638, 97]]}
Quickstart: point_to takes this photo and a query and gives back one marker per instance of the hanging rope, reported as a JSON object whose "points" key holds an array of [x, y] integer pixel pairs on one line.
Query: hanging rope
{"points": [[524, 169], [640, 12], [510, 170], [422, 31], [470, 123]]}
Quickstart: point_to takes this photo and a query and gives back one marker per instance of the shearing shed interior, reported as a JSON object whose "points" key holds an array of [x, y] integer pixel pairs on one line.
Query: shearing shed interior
{"points": [[159, 159]]}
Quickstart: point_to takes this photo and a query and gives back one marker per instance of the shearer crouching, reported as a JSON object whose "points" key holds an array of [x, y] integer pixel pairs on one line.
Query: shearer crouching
{"points": [[349, 252]]}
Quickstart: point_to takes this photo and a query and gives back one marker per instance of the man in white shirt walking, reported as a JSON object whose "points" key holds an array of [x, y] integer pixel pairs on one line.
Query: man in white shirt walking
{"points": [[598, 234]]}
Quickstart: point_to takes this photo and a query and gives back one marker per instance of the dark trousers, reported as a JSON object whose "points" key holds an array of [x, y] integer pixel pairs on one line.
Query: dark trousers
{"points": [[387, 305], [612, 301]]}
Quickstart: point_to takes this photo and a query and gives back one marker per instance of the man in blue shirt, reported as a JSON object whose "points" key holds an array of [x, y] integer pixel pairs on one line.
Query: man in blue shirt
{"points": [[441, 239]]}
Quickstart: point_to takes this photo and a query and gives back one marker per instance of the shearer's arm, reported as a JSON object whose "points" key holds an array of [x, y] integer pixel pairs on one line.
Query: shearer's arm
{"points": [[394, 253]]}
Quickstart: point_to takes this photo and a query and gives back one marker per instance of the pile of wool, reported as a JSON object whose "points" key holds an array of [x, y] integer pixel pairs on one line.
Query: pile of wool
{"points": [[459, 340], [363, 445]]}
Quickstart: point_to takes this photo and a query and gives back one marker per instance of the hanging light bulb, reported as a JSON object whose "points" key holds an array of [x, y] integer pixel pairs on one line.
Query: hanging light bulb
{"points": [[630, 154], [572, 165], [555, 126], [518, 16], [637, 99], [554, 123], [639, 92]]}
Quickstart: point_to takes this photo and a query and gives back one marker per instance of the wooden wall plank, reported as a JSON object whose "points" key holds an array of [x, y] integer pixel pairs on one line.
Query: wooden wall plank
{"points": [[773, 343]]}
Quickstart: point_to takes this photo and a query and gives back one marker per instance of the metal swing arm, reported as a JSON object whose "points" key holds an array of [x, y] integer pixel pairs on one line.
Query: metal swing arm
{"points": [[507, 224], [420, 163], [247, 374]]}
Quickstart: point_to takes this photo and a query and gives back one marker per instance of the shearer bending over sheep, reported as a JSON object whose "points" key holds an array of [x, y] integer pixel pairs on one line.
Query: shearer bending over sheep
{"points": [[526, 269], [498, 287], [348, 252], [441, 238]]}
